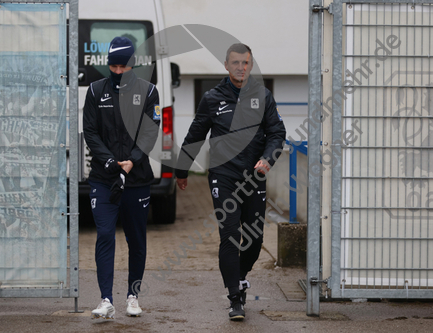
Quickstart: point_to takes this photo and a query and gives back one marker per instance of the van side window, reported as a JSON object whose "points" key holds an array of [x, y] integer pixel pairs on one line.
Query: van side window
{"points": [[94, 44]]}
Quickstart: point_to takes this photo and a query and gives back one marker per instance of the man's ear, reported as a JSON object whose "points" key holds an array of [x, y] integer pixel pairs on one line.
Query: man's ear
{"points": [[225, 65], [250, 59]]}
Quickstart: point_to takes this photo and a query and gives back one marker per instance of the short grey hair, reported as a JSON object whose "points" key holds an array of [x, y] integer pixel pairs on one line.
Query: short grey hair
{"points": [[239, 48]]}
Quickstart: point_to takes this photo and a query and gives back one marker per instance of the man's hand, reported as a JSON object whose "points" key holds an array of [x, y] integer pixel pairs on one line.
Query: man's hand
{"points": [[262, 166], [126, 165], [112, 166], [182, 183], [117, 188]]}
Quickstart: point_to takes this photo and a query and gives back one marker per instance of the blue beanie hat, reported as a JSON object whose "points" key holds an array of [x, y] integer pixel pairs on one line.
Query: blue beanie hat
{"points": [[120, 52]]}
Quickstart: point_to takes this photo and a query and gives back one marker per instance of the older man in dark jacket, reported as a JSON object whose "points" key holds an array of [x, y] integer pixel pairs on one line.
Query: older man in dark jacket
{"points": [[247, 135]]}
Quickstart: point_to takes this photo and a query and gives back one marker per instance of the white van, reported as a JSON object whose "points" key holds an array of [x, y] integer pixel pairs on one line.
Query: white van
{"points": [[99, 22]]}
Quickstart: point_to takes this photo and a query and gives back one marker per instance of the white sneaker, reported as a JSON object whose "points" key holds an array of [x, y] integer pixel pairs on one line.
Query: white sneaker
{"points": [[133, 309], [105, 310]]}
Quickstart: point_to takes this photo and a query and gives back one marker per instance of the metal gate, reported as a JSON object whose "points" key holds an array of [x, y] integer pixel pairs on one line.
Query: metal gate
{"points": [[380, 156], [34, 227]]}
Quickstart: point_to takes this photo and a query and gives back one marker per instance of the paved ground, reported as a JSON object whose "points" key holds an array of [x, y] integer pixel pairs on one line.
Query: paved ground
{"points": [[187, 294]]}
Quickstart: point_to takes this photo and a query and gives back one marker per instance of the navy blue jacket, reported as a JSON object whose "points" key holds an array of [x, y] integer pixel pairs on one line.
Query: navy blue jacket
{"points": [[111, 122]]}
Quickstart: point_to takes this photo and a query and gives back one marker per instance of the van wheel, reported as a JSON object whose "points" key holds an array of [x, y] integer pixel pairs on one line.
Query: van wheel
{"points": [[164, 209]]}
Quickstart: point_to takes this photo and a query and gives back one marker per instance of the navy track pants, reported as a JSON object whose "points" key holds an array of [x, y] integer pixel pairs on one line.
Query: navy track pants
{"points": [[132, 212]]}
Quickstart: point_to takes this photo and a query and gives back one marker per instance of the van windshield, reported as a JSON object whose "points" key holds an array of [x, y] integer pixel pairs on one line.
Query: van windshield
{"points": [[94, 42]]}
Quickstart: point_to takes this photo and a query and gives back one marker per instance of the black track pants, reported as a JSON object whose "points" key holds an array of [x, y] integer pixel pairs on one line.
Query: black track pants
{"points": [[235, 202]]}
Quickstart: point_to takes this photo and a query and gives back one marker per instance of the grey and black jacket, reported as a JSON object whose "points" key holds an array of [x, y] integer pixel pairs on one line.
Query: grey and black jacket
{"points": [[123, 126], [243, 130]]}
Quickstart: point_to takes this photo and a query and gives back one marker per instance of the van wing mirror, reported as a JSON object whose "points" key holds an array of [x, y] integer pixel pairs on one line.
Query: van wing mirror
{"points": [[175, 75]]}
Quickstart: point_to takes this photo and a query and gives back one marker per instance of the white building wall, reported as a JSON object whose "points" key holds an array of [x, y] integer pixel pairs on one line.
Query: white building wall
{"points": [[291, 95], [184, 114], [276, 30]]}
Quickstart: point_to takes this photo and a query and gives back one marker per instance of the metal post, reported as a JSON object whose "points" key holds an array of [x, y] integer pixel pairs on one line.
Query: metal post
{"points": [[293, 193], [327, 146], [76, 307], [314, 167], [336, 136], [73, 144]]}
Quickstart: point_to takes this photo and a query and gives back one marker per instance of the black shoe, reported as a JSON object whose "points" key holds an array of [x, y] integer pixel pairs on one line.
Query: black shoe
{"points": [[243, 285], [243, 297], [236, 311]]}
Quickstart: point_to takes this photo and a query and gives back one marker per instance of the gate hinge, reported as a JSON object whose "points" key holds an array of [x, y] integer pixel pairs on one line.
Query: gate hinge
{"points": [[319, 9], [315, 281]]}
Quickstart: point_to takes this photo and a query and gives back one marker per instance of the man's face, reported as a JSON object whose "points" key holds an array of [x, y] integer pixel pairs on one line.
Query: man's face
{"points": [[119, 69], [239, 66]]}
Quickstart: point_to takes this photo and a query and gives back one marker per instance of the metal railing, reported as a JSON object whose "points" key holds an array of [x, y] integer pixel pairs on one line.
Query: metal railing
{"points": [[381, 107]]}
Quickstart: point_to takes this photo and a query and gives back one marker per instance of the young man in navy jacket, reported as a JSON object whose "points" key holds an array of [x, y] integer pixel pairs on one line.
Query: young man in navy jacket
{"points": [[121, 118]]}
